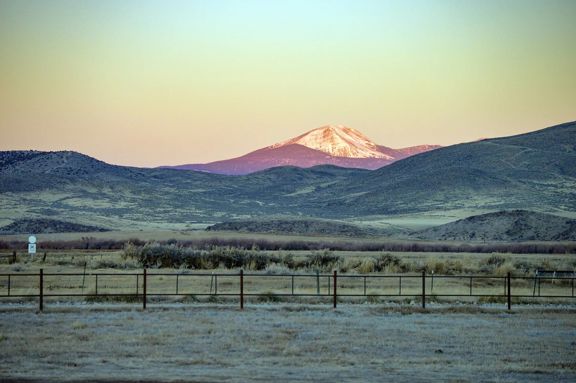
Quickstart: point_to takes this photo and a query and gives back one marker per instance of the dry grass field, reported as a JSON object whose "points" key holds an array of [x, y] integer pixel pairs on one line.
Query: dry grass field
{"points": [[204, 338], [287, 343], [118, 275]]}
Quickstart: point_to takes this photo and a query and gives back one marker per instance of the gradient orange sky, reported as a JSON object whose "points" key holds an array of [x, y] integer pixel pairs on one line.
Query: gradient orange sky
{"points": [[151, 83]]}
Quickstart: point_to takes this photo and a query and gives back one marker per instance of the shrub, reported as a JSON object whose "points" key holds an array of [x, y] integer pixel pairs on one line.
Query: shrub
{"points": [[367, 265], [435, 266], [546, 265], [448, 267], [490, 264], [101, 264], [495, 260], [289, 261], [389, 263], [524, 267], [324, 260], [156, 254], [504, 269], [265, 244], [130, 250], [349, 265]]}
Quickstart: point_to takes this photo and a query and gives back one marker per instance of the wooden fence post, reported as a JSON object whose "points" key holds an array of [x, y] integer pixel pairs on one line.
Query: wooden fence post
{"points": [[41, 293], [423, 289], [509, 293], [144, 291], [335, 284], [241, 289]]}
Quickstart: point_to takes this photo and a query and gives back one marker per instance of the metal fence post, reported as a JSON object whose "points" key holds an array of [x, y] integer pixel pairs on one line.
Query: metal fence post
{"points": [[423, 289], [41, 293], [335, 284], [241, 289], [318, 282], [509, 294], [144, 291]]}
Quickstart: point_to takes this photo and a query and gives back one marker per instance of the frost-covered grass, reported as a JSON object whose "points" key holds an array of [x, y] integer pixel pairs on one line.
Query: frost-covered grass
{"points": [[286, 343]]}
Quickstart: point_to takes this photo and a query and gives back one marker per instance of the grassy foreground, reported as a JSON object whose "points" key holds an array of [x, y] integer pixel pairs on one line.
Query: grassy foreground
{"points": [[285, 343]]}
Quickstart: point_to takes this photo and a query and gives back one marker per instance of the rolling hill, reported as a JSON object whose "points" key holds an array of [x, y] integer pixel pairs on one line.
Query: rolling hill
{"points": [[534, 171], [291, 226], [514, 225], [43, 226]]}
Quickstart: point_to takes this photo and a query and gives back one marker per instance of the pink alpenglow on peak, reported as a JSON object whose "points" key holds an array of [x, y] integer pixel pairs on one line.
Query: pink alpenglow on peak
{"points": [[338, 141], [328, 145]]}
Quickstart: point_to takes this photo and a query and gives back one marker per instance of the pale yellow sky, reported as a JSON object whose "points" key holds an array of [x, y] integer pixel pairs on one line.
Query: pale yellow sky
{"points": [[151, 83]]}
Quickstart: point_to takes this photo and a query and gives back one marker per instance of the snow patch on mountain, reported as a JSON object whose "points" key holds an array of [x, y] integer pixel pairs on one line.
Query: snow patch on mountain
{"points": [[338, 141]]}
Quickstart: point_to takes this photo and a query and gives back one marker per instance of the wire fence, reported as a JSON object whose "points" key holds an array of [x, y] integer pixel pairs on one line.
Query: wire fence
{"points": [[143, 285]]}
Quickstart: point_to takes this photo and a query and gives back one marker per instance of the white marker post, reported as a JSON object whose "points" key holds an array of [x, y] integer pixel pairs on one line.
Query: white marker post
{"points": [[32, 246]]}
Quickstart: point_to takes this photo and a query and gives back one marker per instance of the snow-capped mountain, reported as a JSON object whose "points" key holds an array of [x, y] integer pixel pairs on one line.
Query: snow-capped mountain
{"points": [[328, 145], [338, 141]]}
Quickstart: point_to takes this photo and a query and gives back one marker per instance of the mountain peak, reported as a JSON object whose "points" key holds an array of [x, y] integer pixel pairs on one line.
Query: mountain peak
{"points": [[337, 145], [338, 141]]}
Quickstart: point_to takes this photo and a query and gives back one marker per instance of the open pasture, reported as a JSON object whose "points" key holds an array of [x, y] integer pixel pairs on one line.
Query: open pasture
{"points": [[286, 343]]}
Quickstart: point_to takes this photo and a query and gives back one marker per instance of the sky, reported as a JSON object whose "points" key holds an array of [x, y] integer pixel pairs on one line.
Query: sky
{"points": [[149, 83]]}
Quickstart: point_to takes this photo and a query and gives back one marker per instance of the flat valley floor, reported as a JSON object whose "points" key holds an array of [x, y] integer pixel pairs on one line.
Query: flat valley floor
{"points": [[287, 343]]}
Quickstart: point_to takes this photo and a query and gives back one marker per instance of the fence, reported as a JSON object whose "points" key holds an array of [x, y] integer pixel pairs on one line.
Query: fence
{"points": [[141, 286]]}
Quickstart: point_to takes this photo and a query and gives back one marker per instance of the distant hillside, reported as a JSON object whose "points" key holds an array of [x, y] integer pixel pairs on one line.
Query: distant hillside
{"points": [[530, 171], [289, 155], [44, 226], [291, 226], [328, 145], [514, 225], [534, 171]]}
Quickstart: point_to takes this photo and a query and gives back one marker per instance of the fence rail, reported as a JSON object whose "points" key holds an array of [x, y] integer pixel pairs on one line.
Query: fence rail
{"points": [[143, 285]]}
